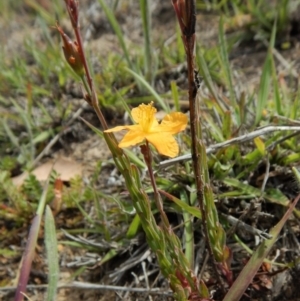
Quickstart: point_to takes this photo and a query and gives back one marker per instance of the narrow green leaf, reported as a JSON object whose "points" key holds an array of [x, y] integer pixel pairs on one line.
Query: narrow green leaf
{"points": [[13, 138], [260, 145], [225, 65], [227, 123], [296, 173], [52, 254], [204, 71], [96, 130], [134, 227], [184, 206], [180, 51], [264, 89], [265, 80], [292, 158], [277, 96], [108, 256], [117, 29], [175, 95], [150, 89], [44, 13], [41, 137]]}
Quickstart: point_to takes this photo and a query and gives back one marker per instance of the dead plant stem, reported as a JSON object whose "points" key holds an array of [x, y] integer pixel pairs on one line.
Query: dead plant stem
{"points": [[239, 140]]}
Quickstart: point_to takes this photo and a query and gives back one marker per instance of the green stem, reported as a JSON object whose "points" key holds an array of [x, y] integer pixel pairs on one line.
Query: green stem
{"points": [[91, 91]]}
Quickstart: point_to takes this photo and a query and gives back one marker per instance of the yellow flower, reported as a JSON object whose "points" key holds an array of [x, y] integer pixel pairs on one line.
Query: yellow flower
{"points": [[160, 135]]}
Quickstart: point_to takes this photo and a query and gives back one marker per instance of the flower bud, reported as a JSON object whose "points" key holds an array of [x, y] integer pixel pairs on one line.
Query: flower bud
{"points": [[71, 52]]}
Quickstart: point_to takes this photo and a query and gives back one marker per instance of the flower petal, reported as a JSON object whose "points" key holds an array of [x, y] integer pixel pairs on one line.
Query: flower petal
{"points": [[124, 127], [174, 123], [132, 138], [115, 129], [158, 134], [164, 143], [144, 115]]}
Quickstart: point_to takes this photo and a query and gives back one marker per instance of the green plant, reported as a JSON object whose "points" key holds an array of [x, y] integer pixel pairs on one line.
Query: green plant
{"points": [[163, 241], [231, 162]]}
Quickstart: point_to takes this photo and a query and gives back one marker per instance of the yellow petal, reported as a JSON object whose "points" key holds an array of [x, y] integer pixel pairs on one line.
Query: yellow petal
{"points": [[164, 143], [174, 123], [115, 129], [132, 138], [144, 115], [123, 127], [147, 127]]}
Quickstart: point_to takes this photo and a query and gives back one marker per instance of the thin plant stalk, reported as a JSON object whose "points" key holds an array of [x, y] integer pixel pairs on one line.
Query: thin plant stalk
{"points": [[72, 7], [213, 232], [148, 159]]}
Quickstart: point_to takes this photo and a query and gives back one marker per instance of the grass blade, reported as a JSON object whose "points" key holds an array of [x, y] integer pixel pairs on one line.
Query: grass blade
{"points": [[265, 80], [225, 65], [150, 89], [175, 95], [204, 71], [194, 211], [117, 29], [52, 256], [277, 96]]}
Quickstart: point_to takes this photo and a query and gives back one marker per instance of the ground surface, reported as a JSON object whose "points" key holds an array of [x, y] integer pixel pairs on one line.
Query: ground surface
{"points": [[80, 145]]}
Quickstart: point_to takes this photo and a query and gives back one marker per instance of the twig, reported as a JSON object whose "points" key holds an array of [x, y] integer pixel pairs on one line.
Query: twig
{"points": [[241, 139], [282, 60], [128, 266], [279, 141], [287, 120], [88, 286], [146, 277], [238, 223]]}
